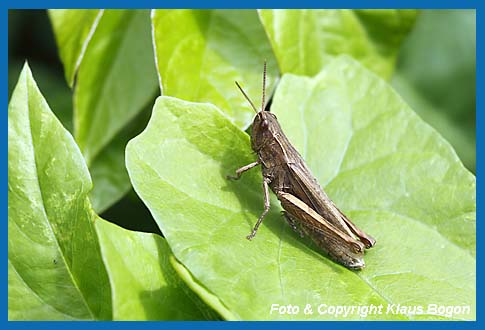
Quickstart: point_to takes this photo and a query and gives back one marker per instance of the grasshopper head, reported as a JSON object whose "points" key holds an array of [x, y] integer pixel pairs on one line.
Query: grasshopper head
{"points": [[264, 126]]}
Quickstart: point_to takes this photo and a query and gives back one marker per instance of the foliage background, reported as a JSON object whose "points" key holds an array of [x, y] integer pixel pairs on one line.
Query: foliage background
{"points": [[31, 37], [435, 72]]}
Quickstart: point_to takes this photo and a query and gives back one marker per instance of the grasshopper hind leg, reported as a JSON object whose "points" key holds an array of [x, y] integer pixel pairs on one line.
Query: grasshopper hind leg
{"points": [[293, 223]]}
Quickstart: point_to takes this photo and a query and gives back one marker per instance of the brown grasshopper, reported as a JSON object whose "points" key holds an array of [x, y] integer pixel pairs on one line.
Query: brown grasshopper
{"points": [[308, 209]]}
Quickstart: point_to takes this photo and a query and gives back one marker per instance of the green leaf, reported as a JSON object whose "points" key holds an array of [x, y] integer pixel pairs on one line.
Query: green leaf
{"points": [[53, 85], [438, 63], [393, 175], [459, 134], [208, 49], [116, 80], [55, 265], [73, 30], [109, 173], [304, 41], [208, 297], [64, 262], [152, 291], [108, 169]]}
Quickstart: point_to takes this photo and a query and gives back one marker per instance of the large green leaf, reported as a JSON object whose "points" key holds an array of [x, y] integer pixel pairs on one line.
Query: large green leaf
{"points": [[64, 262], [116, 80], [437, 67], [73, 30], [388, 170], [304, 41], [55, 265], [208, 49]]}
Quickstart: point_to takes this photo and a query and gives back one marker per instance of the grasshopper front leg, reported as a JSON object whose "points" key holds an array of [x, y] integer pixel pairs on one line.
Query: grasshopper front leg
{"points": [[239, 172], [243, 169]]}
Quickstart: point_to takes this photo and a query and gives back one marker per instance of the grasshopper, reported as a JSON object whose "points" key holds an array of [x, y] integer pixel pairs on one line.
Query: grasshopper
{"points": [[307, 208]]}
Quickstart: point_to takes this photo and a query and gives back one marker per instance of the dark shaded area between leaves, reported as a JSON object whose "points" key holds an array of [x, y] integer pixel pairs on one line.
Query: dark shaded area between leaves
{"points": [[30, 38], [130, 213]]}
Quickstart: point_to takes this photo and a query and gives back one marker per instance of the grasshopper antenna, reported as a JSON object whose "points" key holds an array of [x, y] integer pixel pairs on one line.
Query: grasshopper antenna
{"points": [[247, 97], [264, 86]]}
